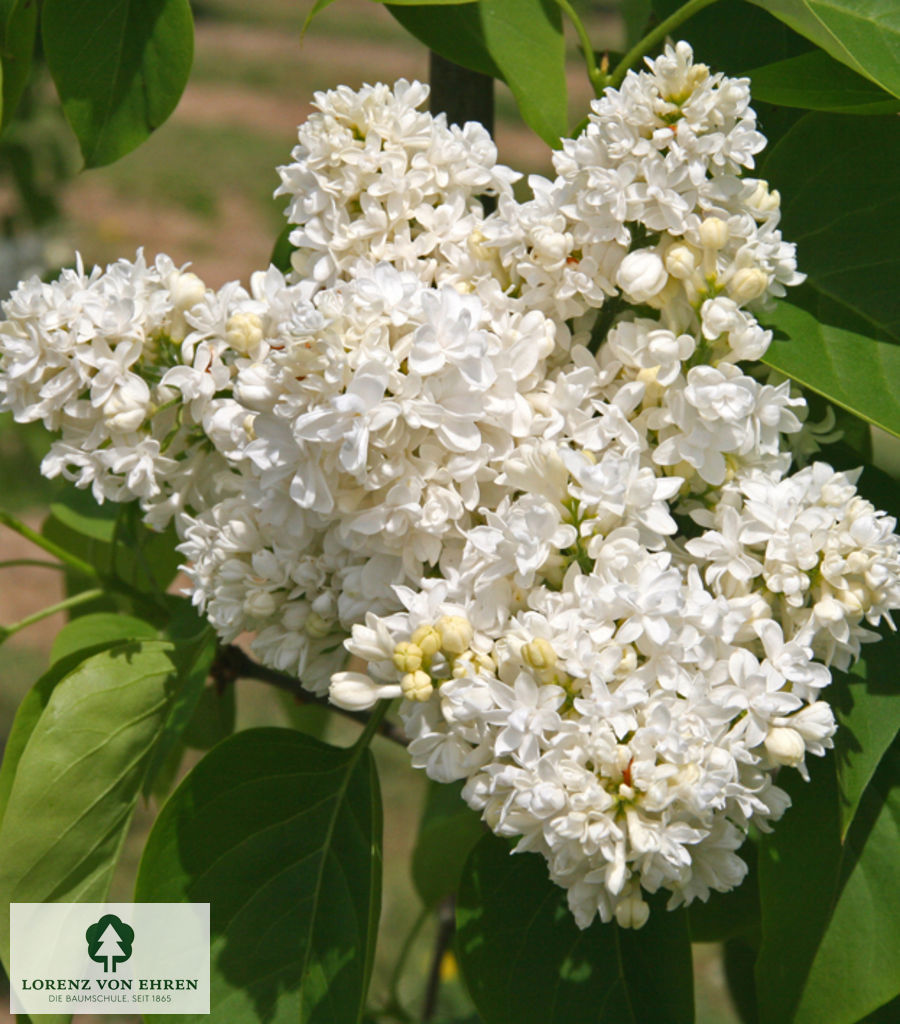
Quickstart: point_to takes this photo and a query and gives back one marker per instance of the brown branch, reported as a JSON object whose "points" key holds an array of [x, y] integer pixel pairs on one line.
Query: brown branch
{"points": [[232, 663]]}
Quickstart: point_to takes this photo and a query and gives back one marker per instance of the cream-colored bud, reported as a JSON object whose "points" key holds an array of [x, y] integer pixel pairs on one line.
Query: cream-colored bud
{"points": [[407, 657], [713, 233], [456, 633], [681, 262], [763, 199], [260, 604], [641, 275], [417, 685], [244, 332], [427, 639], [747, 284], [186, 289], [316, 626], [785, 745], [632, 912], [539, 655]]}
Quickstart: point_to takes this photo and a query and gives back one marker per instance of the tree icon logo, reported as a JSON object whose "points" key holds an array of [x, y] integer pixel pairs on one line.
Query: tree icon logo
{"points": [[109, 942]]}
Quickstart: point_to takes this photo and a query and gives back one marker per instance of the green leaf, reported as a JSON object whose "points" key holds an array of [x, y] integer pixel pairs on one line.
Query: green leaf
{"points": [[281, 834], [453, 32], [863, 34], [213, 718], [140, 557], [635, 15], [447, 832], [816, 81], [866, 703], [524, 959], [859, 374], [316, 8], [525, 39], [283, 250], [193, 656], [97, 630], [79, 777], [119, 67], [840, 193], [18, 26], [831, 947]]}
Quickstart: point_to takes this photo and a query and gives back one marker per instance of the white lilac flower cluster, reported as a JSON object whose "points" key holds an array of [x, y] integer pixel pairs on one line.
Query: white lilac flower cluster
{"points": [[512, 462]]}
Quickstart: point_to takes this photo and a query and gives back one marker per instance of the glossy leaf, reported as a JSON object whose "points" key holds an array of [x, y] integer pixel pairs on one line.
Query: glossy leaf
{"points": [[119, 68], [866, 702], [863, 34], [97, 630], [447, 832], [194, 654], [281, 834], [859, 374], [730, 35], [525, 39], [79, 776], [18, 26], [830, 951], [840, 192], [453, 32], [113, 540], [816, 81], [524, 959]]}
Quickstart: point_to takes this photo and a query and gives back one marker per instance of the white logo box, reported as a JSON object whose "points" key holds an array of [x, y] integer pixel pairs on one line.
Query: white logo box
{"points": [[137, 958]]}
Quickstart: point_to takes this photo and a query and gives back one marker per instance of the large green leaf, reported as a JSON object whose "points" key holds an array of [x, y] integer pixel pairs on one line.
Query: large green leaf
{"points": [[525, 40], [863, 34], [867, 706], [840, 191], [18, 25], [525, 960], [447, 832], [98, 630], [830, 952], [816, 81], [281, 835], [79, 777], [453, 32], [859, 374], [119, 67]]}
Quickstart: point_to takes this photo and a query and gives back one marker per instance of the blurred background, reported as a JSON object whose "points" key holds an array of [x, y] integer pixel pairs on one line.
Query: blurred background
{"points": [[201, 190]]}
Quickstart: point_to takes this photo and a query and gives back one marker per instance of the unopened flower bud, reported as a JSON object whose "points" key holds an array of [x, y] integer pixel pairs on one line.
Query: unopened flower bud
{"points": [[681, 262], [427, 639], [785, 746], [316, 626], [632, 912], [713, 233], [261, 604], [244, 332], [641, 275], [539, 655], [763, 199], [126, 408], [417, 685], [456, 633], [747, 284], [407, 656], [186, 289], [354, 691]]}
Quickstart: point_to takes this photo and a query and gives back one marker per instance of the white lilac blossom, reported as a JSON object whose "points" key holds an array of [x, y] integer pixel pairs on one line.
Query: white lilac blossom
{"points": [[522, 466]]}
